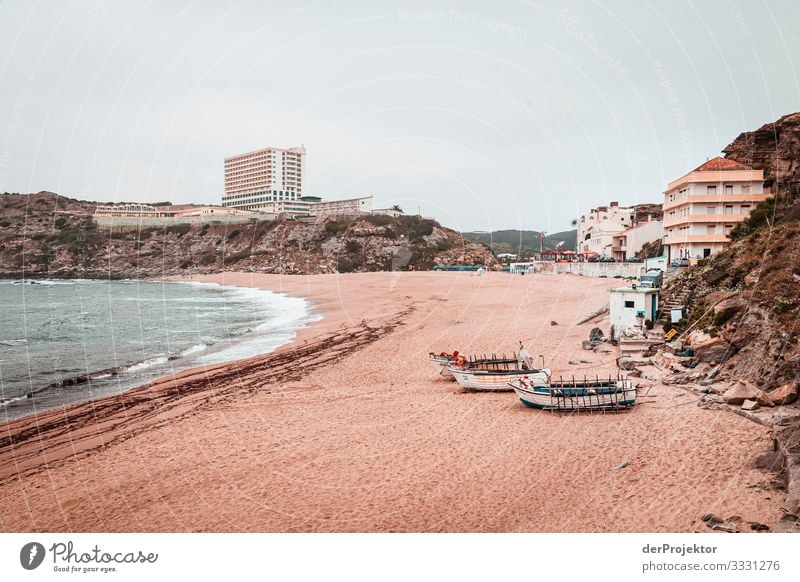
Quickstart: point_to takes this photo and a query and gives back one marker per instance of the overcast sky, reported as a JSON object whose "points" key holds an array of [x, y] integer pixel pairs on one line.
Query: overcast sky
{"points": [[485, 115]]}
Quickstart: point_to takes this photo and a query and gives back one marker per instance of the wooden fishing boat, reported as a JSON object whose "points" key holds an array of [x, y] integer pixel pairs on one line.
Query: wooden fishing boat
{"points": [[496, 377], [576, 395], [440, 363], [443, 362]]}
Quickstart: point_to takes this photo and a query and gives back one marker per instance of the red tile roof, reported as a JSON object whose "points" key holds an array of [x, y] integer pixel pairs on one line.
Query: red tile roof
{"points": [[719, 164]]}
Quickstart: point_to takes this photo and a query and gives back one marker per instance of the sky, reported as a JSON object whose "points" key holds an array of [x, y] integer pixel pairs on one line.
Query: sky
{"points": [[484, 115]]}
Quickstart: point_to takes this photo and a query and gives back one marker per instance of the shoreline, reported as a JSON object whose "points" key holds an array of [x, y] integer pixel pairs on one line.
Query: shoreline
{"points": [[169, 364], [346, 429]]}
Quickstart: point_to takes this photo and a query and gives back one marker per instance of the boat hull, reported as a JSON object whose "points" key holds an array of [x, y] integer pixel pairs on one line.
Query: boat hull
{"points": [[496, 381], [440, 364], [615, 395]]}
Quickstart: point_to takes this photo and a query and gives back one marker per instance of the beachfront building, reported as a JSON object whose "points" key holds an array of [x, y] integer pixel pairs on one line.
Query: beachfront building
{"points": [[254, 180], [630, 307], [627, 243], [702, 207], [596, 229]]}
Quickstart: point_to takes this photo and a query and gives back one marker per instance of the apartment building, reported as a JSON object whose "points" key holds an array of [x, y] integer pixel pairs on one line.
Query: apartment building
{"points": [[627, 243], [702, 207], [596, 229], [255, 180]]}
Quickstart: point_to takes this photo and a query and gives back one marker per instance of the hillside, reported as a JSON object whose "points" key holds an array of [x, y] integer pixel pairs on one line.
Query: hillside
{"points": [[47, 235], [515, 241], [748, 296]]}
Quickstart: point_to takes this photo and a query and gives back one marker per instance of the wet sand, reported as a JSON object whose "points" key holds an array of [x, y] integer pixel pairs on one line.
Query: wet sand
{"points": [[348, 428]]}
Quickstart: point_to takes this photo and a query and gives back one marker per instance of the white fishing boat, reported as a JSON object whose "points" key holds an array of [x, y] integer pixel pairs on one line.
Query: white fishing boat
{"points": [[496, 380], [573, 395], [440, 363]]}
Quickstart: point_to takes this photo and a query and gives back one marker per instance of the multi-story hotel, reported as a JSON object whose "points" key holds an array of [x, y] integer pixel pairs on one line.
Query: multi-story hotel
{"points": [[255, 180], [597, 228], [702, 207]]}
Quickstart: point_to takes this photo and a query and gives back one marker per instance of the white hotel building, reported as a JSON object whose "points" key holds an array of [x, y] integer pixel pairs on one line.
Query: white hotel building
{"points": [[268, 180]]}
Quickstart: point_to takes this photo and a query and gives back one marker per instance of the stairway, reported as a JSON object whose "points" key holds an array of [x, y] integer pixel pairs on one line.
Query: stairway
{"points": [[682, 297]]}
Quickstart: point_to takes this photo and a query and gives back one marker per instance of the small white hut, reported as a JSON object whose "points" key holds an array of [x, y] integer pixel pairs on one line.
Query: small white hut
{"points": [[630, 307]]}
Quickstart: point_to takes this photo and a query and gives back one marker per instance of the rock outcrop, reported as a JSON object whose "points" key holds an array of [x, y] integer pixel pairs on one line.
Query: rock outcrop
{"points": [[773, 147]]}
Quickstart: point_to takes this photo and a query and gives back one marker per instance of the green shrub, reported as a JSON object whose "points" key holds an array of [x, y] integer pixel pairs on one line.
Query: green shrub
{"points": [[348, 264], [208, 259], [186, 264], [233, 234], [334, 227], [379, 219], [353, 247], [179, 229], [760, 216], [61, 222]]}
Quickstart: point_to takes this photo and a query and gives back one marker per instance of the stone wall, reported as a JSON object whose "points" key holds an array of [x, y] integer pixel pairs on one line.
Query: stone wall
{"points": [[590, 269]]}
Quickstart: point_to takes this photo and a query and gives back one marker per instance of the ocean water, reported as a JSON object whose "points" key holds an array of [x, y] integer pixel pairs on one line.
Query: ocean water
{"points": [[69, 341]]}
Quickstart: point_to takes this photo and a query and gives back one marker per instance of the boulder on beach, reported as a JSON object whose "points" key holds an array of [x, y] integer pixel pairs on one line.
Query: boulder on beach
{"points": [[713, 351], [697, 337], [750, 405], [786, 394], [744, 390]]}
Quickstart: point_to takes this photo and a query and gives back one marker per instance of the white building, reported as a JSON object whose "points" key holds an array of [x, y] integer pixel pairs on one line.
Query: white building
{"points": [[630, 307], [345, 207], [254, 180], [702, 207], [394, 213], [630, 241], [597, 228]]}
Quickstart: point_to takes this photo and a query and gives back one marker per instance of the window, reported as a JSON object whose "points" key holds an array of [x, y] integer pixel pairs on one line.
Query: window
{"points": [[629, 305], [729, 209], [728, 189], [746, 189], [728, 228], [711, 210], [745, 209], [706, 253], [711, 190], [711, 229]]}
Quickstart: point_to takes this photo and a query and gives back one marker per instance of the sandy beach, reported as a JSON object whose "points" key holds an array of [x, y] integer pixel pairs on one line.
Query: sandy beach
{"points": [[348, 428]]}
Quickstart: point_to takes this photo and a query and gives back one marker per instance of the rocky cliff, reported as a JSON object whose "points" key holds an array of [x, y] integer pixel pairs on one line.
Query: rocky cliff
{"points": [[775, 148], [47, 235]]}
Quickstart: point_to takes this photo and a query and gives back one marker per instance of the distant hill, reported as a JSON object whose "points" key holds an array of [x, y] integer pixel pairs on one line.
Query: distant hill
{"points": [[515, 241]]}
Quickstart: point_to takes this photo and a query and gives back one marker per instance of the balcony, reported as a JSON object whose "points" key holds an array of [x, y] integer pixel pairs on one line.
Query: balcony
{"points": [[714, 199], [701, 218], [675, 239]]}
